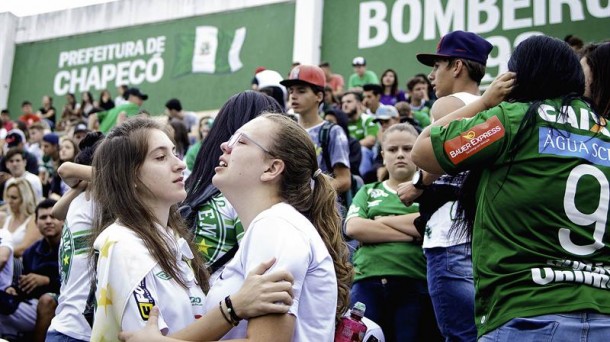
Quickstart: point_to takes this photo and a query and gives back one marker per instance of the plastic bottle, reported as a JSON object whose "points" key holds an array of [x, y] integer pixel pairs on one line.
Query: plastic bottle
{"points": [[351, 328]]}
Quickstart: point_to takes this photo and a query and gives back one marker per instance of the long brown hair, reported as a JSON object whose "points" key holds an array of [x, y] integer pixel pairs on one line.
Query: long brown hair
{"points": [[119, 191], [318, 203]]}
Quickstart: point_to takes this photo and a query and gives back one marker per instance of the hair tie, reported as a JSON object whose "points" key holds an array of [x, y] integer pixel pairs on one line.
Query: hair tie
{"points": [[317, 173]]}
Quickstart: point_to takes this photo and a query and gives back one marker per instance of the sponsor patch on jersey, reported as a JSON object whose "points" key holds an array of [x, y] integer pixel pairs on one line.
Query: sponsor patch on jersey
{"points": [[476, 139], [563, 143], [144, 300]]}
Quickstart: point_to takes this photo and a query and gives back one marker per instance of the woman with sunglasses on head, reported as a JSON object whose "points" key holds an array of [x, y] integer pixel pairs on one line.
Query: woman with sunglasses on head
{"points": [[536, 199], [142, 251], [290, 214]]}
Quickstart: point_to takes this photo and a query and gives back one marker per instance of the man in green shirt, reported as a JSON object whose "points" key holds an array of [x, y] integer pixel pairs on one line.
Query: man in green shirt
{"points": [[105, 121], [361, 76]]}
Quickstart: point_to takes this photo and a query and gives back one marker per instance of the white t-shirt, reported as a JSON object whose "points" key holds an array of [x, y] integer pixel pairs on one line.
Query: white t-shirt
{"points": [[34, 182], [130, 283], [74, 271], [439, 224], [283, 233], [6, 273]]}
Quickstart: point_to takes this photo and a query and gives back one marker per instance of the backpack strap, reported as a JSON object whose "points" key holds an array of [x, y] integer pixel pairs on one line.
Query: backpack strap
{"points": [[324, 138]]}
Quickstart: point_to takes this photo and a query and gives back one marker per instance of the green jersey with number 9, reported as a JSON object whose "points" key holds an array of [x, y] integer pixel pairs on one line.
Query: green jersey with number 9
{"points": [[539, 241]]}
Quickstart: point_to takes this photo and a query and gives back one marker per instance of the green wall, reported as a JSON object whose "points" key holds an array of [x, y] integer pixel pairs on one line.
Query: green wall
{"points": [[161, 70], [413, 27]]}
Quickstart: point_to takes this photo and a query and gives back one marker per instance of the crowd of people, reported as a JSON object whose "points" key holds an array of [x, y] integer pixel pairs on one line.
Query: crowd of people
{"points": [[450, 214]]}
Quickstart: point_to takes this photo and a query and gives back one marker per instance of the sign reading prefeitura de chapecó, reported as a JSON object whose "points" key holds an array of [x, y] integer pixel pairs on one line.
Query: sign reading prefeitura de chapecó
{"points": [[200, 60]]}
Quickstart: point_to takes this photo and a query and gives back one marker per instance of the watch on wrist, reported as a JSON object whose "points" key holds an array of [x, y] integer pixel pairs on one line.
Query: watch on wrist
{"points": [[418, 180]]}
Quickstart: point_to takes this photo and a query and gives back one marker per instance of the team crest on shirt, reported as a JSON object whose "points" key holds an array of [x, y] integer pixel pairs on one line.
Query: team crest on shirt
{"points": [[476, 139], [66, 252], [144, 300], [163, 275]]}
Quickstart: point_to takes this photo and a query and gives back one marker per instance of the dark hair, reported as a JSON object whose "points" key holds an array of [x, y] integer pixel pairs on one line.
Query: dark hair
{"points": [[25, 103], [276, 93], [13, 152], [597, 56], [415, 81], [574, 41], [181, 136], [5, 111], [431, 93], [476, 70], [375, 88], [238, 110], [45, 204], [394, 86], [173, 104], [537, 80], [87, 147], [324, 64], [357, 95], [293, 146], [116, 184]]}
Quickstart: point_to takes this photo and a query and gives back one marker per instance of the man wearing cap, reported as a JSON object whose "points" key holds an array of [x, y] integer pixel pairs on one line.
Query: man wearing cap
{"points": [[16, 139], [305, 86], [458, 67], [80, 131], [105, 121], [361, 76]]}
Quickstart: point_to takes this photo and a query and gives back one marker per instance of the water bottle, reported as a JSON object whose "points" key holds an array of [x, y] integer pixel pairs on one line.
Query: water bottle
{"points": [[351, 328]]}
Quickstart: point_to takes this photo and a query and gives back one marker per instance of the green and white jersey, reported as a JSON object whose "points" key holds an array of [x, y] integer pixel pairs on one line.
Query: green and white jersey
{"points": [[363, 127], [385, 259], [218, 228], [74, 270], [539, 242]]}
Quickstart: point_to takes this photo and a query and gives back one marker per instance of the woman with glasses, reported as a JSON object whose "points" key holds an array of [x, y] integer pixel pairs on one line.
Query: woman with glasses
{"points": [[289, 213], [142, 251]]}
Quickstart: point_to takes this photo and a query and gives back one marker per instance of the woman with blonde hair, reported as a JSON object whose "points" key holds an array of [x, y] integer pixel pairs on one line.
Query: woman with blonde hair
{"points": [[21, 204], [289, 213]]}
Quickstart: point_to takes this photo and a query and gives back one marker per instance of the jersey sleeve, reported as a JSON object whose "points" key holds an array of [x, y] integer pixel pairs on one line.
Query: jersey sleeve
{"points": [[273, 238], [339, 149], [137, 308], [359, 206], [471, 143]]}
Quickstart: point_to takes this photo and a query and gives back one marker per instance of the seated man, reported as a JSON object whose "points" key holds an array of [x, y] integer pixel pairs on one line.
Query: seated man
{"points": [[40, 276]]}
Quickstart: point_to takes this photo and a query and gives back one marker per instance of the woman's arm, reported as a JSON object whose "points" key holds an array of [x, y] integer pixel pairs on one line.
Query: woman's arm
{"points": [[60, 209], [31, 235], [402, 223], [423, 152], [72, 173], [260, 294], [373, 231]]}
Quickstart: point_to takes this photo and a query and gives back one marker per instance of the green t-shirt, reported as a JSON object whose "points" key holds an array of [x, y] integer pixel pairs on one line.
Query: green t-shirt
{"points": [[422, 115], [538, 243], [218, 228], [369, 77], [363, 127], [108, 118], [385, 259]]}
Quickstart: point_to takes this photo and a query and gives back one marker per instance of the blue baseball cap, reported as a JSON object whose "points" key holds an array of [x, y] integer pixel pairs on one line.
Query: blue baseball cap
{"points": [[459, 44]]}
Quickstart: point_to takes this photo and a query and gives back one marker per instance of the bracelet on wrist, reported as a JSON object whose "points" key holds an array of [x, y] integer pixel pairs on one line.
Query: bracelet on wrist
{"points": [[231, 310], [225, 315]]}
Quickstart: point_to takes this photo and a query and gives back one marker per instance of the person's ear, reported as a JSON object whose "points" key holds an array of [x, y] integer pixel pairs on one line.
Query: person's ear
{"points": [[458, 65], [274, 169]]}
